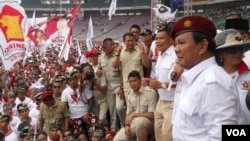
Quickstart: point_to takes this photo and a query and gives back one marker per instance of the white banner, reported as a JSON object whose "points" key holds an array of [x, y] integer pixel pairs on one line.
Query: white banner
{"points": [[13, 28]]}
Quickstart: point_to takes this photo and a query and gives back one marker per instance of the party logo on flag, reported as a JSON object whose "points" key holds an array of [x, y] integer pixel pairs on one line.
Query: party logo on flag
{"points": [[12, 24]]}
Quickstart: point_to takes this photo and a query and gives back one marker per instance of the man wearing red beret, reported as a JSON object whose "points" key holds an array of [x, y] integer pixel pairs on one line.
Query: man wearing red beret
{"points": [[205, 96], [52, 110]]}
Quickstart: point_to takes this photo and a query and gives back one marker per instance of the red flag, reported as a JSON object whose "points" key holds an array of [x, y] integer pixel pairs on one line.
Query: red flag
{"points": [[52, 26], [73, 13]]}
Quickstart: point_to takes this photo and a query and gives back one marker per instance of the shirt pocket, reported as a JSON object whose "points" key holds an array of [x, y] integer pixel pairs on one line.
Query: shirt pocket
{"points": [[143, 107], [190, 117], [103, 65], [162, 71]]}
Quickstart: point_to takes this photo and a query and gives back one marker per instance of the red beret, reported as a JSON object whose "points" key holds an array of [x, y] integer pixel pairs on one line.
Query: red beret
{"points": [[193, 23], [46, 95]]}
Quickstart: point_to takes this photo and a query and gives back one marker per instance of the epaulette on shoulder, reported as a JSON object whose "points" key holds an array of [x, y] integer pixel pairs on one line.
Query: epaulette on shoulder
{"points": [[210, 76], [148, 89]]}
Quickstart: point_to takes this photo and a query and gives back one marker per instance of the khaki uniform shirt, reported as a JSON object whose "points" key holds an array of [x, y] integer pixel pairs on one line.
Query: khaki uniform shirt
{"points": [[58, 112], [143, 101], [99, 96], [112, 74], [130, 60]]}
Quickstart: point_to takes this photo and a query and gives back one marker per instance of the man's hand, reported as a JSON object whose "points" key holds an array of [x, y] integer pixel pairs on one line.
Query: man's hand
{"points": [[85, 117], [127, 130], [99, 72], [142, 51], [145, 81], [154, 83], [118, 50], [178, 70], [129, 118], [121, 94]]}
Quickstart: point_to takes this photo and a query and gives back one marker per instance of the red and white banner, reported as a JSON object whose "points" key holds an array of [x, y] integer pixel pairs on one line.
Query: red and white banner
{"points": [[72, 16], [58, 29], [35, 35], [12, 33]]}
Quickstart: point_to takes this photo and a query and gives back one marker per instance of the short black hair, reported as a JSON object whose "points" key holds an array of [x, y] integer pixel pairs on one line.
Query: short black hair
{"points": [[135, 26], [78, 68], [129, 34], [84, 65], [104, 43], [199, 36], [134, 73]]}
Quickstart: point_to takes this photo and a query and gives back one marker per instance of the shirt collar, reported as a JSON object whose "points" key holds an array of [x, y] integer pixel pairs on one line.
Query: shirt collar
{"points": [[190, 75], [168, 51], [111, 55], [141, 90]]}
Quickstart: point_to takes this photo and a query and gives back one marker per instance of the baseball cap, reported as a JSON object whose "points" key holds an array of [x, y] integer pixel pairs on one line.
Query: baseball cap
{"points": [[99, 131], [25, 129], [7, 106], [21, 90], [4, 117], [21, 107], [146, 32], [11, 94], [92, 52], [38, 96]]}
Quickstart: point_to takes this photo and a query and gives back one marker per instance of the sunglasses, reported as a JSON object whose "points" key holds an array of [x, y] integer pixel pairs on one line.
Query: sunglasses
{"points": [[234, 50], [58, 87]]}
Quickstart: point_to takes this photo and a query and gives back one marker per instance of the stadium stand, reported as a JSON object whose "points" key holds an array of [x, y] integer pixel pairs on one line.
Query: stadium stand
{"points": [[127, 14]]}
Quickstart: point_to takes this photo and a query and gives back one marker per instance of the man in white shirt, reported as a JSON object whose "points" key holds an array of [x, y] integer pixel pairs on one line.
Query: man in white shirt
{"points": [[206, 97], [21, 97], [160, 81], [78, 102]]}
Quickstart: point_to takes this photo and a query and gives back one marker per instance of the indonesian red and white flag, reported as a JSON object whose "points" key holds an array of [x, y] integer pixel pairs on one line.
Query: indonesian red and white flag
{"points": [[72, 16], [112, 9], [90, 35], [13, 30], [58, 28]]}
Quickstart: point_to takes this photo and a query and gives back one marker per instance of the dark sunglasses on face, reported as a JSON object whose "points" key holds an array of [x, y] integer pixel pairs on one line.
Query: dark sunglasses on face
{"points": [[234, 50]]}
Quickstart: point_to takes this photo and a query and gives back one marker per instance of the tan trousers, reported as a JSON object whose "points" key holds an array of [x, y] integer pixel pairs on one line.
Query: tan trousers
{"points": [[163, 117], [140, 130]]}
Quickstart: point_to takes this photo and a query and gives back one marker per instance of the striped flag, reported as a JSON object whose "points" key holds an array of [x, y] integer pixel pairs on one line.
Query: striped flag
{"points": [[112, 9]]}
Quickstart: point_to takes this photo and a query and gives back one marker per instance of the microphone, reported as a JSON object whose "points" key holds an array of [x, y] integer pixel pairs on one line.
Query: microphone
{"points": [[248, 100], [173, 75]]}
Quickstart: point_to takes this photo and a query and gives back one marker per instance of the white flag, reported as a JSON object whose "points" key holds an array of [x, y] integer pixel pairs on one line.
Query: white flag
{"points": [[90, 35], [12, 33], [112, 8], [78, 48]]}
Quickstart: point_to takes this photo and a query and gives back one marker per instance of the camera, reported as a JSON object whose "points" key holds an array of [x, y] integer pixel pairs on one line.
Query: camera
{"points": [[90, 75]]}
